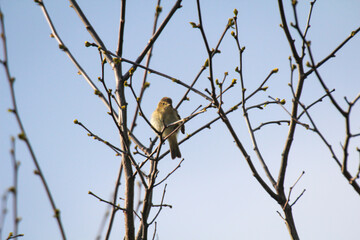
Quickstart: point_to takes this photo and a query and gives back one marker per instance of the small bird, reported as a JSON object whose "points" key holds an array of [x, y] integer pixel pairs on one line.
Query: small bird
{"points": [[166, 114]]}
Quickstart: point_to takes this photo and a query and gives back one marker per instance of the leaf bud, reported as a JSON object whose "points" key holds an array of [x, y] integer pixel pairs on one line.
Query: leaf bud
{"points": [[194, 25], [62, 47], [22, 136], [206, 63], [235, 12], [158, 10], [146, 84], [275, 70]]}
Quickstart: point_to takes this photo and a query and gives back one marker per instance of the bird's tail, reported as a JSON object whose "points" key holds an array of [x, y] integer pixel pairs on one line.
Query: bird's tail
{"points": [[174, 147]]}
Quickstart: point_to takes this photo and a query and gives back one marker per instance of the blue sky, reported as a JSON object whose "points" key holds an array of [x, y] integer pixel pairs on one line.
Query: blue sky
{"points": [[213, 194]]}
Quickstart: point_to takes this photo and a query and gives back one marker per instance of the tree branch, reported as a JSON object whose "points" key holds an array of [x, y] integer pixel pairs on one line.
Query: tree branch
{"points": [[23, 136]]}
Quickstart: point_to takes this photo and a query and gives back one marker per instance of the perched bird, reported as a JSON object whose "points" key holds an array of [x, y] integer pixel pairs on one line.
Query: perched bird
{"points": [[163, 116]]}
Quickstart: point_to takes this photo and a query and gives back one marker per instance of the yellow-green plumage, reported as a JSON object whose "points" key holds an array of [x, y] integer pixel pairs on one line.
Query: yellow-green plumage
{"points": [[166, 114]]}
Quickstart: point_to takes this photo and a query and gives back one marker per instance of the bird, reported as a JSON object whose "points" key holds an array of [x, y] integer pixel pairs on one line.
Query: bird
{"points": [[163, 116]]}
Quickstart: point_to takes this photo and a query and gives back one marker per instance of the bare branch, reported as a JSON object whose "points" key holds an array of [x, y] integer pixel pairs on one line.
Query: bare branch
{"points": [[167, 176], [121, 28], [91, 29], [332, 99], [271, 122], [295, 119], [144, 83], [114, 209], [147, 202], [4, 210], [290, 191], [222, 114], [332, 54], [315, 129], [23, 136], [110, 203], [315, 102], [11, 236], [248, 123], [298, 198], [357, 175], [281, 216], [285, 27], [176, 6], [153, 238], [103, 223], [69, 54], [14, 188], [150, 70], [117, 150], [161, 205]]}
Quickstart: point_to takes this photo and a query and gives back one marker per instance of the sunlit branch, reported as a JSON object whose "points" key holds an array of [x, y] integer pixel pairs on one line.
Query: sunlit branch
{"points": [[152, 40], [332, 54], [144, 83], [271, 122], [23, 136]]}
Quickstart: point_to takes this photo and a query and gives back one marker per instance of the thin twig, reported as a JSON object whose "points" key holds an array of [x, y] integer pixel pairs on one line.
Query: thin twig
{"points": [[356, 176], [291, 188], [154, 234], [315, 102], [278, 122], [326, 89], [173, 79], [63, 47], [185, 97], [14, 188], [209, 52], [139, 202], [214, 51], [281, 216], [316, 130], [245, 110], [152, 40], [23, 136], [147, 202], [261, 105], [223, 115], [11, 236], [94, 136], [161, 205], [307, 26], [169, 174], [91, 30], [103, 223], [105, 201], [332, 54], [179, 125], [298, 198], [114, 209], [149, 54], [295, 119], [4, 210]]}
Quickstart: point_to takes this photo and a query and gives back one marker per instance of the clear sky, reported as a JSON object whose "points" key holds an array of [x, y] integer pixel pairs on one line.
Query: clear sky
{"points": [[213, 194]]}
